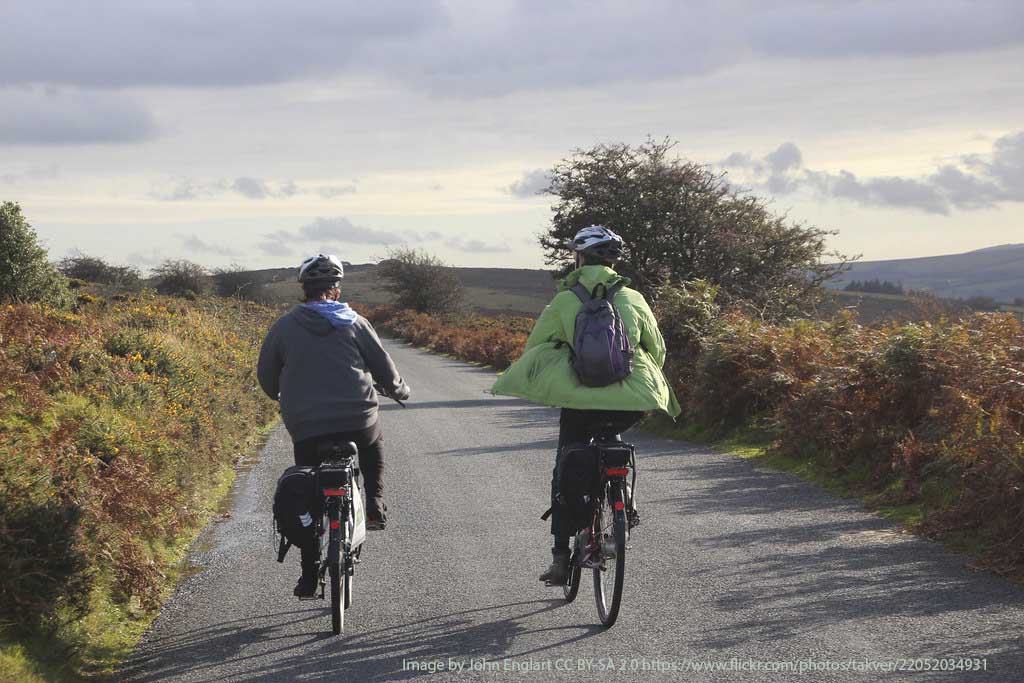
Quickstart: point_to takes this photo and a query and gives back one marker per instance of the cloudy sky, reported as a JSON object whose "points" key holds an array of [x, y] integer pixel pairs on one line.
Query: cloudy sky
{"points": [[257, 132]]}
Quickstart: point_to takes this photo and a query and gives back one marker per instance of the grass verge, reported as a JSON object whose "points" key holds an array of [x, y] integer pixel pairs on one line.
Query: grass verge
{"points": [[90, 649]]}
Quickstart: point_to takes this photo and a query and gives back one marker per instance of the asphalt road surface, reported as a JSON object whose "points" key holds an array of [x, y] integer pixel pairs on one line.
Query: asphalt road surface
{"points": [[751, 572]]}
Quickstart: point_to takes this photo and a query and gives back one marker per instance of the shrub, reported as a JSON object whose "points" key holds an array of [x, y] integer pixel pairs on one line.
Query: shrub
{"points": [[180, 278], [25, 274], [422, 282], [94, 269], [234, 281]]}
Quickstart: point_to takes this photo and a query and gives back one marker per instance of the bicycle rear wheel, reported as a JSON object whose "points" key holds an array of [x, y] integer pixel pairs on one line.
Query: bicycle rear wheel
{"points": [[335, 569], [572, 587], [348, 586], [337, 599], [609, 575]]}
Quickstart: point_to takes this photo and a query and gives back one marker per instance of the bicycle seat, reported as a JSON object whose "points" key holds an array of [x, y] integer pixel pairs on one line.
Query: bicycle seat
{"points": [[337, 450]]}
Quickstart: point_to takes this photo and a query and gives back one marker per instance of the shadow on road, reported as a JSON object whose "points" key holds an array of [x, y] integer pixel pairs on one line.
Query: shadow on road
{"points": [[823, 564], [363, 655]]}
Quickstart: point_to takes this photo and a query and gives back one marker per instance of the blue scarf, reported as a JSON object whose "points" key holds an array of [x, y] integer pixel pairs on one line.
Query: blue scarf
{"points": [[336, 312]]}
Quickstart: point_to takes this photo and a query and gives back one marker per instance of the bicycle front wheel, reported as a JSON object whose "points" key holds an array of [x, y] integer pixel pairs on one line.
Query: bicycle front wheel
{"points": [[609, 574]]}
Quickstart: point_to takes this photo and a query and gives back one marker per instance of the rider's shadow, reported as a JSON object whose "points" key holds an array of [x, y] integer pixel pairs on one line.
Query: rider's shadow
{"points": [[380, 654]]}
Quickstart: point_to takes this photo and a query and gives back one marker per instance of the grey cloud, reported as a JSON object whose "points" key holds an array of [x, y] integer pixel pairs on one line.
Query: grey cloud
{"points": [[251, 188], [153, 257], [278, 243], [333, 191], [343, 230], [72, 117], [530, 185], [1007, 165], [737, 160], [786, 157], [36, 173], [888, 191], [191, 189], [110, 43], [276, 249], [463, 49], [922, 27], [196, 245], [973, 182], [475, 246]]}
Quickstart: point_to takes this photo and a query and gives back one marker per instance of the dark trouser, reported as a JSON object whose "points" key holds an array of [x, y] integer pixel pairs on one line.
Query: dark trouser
{"points": [[370, 442], [580, 426]]}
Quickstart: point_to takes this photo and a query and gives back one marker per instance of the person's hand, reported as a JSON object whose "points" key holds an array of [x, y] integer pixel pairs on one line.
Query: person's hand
{"points": [[403, 392]]}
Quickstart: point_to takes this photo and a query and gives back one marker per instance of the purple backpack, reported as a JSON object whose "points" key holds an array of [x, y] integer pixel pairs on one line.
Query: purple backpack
{"points": [[601, 354]]}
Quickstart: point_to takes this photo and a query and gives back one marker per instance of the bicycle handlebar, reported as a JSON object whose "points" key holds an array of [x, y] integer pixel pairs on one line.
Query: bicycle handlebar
{"points": [[380, 390]]}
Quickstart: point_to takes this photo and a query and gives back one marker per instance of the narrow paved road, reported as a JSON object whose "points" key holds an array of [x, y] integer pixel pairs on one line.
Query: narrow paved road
{"points": [[734, 567]]}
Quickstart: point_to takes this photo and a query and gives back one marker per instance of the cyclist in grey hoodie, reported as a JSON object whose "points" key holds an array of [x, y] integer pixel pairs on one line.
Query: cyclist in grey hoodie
{"points": [[321, 360]]}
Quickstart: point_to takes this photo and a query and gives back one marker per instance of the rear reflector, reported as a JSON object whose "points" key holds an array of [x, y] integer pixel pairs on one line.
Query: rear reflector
{"points": [[335, 524], [617, 471], [335, 492], [619, 505]]}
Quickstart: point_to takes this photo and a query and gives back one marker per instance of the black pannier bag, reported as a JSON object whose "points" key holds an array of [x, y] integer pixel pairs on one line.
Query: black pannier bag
{"points": [[296, 508], [577, 481]]}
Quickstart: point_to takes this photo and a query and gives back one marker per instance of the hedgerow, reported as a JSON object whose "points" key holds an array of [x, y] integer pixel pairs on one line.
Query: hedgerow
{"points": [[492, 341], [116, 421], [928, 414]]}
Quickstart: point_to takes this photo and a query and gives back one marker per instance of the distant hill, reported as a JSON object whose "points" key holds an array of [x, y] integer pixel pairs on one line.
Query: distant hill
{"points": [[490, 291], [996, 272]]}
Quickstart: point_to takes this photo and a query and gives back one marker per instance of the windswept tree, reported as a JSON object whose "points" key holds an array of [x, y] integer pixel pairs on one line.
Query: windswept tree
{"points": [[682, 221], [421, 281], [25, 273], [180, 278], [95, 269], [235, 281]]}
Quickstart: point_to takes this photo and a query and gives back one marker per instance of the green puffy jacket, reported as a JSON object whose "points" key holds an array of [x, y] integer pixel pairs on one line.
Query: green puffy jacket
{"points": [[544, 373]]}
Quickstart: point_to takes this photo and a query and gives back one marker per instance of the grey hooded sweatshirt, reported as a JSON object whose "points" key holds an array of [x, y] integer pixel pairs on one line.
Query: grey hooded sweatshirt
{"points": [[323, 373]]}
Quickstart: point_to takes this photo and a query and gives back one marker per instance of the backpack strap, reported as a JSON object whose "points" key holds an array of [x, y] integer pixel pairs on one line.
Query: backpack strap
{"points": [[582, 292], [610, 293]]}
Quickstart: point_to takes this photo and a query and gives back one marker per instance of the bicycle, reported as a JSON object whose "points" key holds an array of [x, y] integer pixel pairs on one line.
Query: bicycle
{"points": [[343, 519], [341, 528], [601, 546]]}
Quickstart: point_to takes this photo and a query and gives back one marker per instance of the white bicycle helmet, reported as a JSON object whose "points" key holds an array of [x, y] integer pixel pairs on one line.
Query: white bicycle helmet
{"points": [[598, 240], [321, 268]]}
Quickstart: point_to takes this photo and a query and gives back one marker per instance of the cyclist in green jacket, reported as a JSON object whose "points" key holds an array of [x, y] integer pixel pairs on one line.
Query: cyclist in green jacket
{"points": [[544, 374]]}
